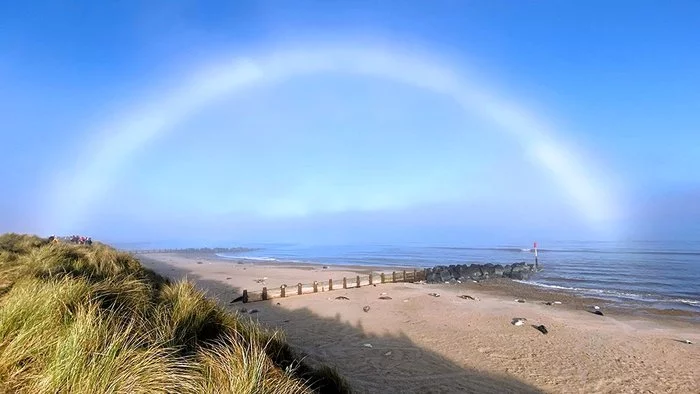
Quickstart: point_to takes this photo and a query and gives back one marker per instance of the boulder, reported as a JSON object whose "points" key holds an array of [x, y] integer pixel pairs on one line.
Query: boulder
{"points": [[454, 271], [488, 270], [474, 271], [498, 271], [445, 274]]}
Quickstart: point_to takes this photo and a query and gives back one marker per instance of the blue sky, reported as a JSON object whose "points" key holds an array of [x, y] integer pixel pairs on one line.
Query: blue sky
{"points": [[487, 120]]}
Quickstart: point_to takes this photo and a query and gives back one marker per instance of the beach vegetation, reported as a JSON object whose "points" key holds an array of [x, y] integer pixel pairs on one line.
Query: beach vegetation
{"points": [[91, 319]]}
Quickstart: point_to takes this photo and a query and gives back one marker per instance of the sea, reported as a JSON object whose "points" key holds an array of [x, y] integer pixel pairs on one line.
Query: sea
{"points": [[661, 275]]}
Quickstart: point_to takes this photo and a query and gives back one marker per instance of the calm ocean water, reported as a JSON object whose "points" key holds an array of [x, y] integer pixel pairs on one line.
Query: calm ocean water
{"points": [[657, 274]]}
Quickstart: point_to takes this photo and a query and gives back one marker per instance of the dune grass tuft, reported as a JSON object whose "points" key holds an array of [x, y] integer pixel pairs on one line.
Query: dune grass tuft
{"points": [[90, 319]]}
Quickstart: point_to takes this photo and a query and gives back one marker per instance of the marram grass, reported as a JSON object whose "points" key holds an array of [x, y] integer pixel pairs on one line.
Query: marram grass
{"points": [[90, 319]]}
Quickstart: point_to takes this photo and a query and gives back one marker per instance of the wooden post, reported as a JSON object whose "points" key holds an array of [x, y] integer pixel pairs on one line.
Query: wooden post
{"points": [[393, 276], [345, 283], [404, 275], [245, 296], [358, 280], [370, 279], [283, 291], [299, 288], [315, 287], [381, 276], [330, 284], [264, 293]]}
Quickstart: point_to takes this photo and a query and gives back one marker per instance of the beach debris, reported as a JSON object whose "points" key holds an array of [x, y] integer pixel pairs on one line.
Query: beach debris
{"points": [[459, 281], [366, 308], [557, 302], [342, 298], [384, 298], [466, 297], [596, 307], [599, 313], [279, 303], [541, 328], [434, 294], [687, 341], [260, 280], [199, 262], [388, 353], [237, 299], [253, 311], [228, 278], [520, 300], [243, 310], [325, 267], [381, 294], [285, 321], [547, 303], [518, 321], [405, 300], [367, 345]]}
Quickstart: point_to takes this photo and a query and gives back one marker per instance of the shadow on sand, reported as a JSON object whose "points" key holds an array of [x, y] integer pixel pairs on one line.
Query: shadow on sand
{"points": [[409, 368]]}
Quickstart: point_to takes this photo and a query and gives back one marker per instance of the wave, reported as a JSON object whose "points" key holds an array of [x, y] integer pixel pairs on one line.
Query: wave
{"points": [[645, 297], [687, 302], [252, 258]]}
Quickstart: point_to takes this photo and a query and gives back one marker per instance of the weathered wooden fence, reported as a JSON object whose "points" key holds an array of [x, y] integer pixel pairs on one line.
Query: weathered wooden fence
{"points": [[346, 283]]}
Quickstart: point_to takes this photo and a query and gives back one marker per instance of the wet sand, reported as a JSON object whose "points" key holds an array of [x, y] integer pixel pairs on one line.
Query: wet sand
{"points": [[415, 342]]}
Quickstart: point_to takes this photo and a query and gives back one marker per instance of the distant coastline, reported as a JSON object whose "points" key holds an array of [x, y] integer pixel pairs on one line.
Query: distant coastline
{"points": [[191, 250]]}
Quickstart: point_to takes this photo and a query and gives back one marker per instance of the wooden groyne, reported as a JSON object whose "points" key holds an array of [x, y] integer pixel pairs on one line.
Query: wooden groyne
{"points": [[357, 281]]}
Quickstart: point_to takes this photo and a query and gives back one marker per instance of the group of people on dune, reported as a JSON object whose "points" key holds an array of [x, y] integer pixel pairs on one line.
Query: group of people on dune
{"points": [[75, 239]]}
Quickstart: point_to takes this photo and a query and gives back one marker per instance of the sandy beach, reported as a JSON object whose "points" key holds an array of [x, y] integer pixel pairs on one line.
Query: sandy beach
{"points": [[415, 342]]}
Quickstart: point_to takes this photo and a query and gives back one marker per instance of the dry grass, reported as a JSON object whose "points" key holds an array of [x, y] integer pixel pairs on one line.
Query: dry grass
{"points": [[89, 319]]}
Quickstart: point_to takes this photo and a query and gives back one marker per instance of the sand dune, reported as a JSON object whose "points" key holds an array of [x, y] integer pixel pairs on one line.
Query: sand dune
{"points": [[421, 343]]}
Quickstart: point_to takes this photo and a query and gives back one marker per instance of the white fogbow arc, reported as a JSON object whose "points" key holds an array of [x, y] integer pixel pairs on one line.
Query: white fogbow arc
{"points": [[113, 145]]}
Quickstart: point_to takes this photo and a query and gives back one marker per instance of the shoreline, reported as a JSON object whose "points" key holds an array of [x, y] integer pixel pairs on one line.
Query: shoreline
{"points": [[415, 342], [500, 286]]}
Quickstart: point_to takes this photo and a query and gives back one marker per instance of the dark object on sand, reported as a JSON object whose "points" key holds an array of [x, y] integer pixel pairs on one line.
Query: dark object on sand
{"points": [[434, 294], [341, 298], [325, 267], [541, 328], [687, 341], [228, 278], [279, 303], [466, 297], [599, 313], [366, 308], [520, 300], [384, 298], [253, 311], [237, 299], [518, 321], [285, 321], [199, 262], [548, 303]]}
